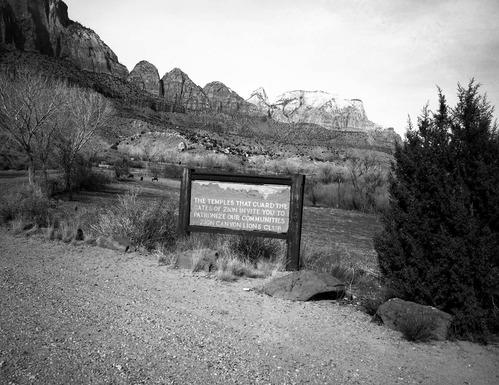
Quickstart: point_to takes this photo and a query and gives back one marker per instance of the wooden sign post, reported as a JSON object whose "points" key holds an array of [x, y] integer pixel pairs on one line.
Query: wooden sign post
{"points": [[250, 205]]}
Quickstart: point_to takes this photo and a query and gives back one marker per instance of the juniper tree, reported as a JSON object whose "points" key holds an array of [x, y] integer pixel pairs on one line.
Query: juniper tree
{"points": [[440, 243]]}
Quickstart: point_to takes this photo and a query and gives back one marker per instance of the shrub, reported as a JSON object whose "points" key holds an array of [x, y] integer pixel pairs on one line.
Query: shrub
{"points": [[254, 249], [372, 299], [147, 224], [230, 267], [239, 256], [121, 167], [27, 203], [418, 328], [440, 244], [86, 179], [360, 281]]}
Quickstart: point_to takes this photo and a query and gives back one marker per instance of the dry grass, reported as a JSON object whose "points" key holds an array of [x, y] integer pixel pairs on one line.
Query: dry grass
{"points": [[230, 268], [418, 328], [145, 224], [336, 241]]}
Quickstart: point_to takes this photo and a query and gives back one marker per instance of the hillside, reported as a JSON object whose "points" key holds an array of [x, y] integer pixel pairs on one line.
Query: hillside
{"points": [[314, 125]]}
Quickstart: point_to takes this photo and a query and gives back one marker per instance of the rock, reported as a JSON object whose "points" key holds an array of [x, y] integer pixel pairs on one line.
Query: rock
{"points": [[321, 108], [260, 100], [84, 47], [196, 260], [145, 76], [223, 99], [395, 311], [115, 242], [179, 89], [44, 26], [305, 285], [314, 107], [181, 147], [33, 25]]}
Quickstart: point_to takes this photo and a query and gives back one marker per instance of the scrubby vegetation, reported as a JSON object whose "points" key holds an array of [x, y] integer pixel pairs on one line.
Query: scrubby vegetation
{"points": [[146, 224], [418, 328], [440, 244], [26, 204]]}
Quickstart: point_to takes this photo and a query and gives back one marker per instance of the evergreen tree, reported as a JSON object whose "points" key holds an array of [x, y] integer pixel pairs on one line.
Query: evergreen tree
{"points": [[440, 244]]}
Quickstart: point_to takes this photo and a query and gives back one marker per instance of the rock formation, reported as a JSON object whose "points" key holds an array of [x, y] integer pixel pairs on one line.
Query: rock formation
{"points": [[145, 76], [44, 26], [178, 88], [223, 99], [316, 107], [260, 100]]}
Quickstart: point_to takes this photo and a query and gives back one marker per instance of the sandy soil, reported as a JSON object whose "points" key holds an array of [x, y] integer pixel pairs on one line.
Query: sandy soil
{"points": [[81, 314]]}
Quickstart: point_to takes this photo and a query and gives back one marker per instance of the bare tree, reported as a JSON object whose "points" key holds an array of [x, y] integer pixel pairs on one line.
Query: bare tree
{"points": [[366, 175], [88, 112], [29, 104]]}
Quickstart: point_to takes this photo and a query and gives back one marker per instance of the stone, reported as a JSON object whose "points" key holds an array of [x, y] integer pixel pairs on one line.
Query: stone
{"points": [[145, 76], [181, 147], [395, 311], [197, 260], [116, 242], [305, 285]]}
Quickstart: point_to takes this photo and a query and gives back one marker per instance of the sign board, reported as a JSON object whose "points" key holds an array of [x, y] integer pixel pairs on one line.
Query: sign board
{"points": [[267, 206], [240, 206]]}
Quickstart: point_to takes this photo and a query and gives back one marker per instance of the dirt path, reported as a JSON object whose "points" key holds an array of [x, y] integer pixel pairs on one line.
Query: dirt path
{"points": [[87, 315]]}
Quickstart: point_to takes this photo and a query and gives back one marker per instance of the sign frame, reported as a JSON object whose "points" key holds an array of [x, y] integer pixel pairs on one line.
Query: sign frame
{"points": [[293, 234]]}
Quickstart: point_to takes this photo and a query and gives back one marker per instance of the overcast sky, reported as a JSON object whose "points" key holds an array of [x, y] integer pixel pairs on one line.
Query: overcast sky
{"points": [[389, 53]]}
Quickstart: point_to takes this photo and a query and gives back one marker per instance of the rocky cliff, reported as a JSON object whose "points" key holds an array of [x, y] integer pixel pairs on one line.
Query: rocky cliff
{"points": [[44, 26], [223, 99], [316, 107], [178, 88], [145, 76], [260, 100]]}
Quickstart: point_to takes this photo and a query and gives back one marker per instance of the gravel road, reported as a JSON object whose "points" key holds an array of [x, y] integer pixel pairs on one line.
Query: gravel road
{"points": [[81, 314]]}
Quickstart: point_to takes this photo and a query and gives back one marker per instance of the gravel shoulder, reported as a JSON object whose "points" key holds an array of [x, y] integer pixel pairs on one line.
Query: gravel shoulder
{"points": [[81, 314]]}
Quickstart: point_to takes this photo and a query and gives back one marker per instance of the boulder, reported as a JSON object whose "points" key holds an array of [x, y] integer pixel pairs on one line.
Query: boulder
{"points": [[305, 285], [397, 311], [197, 260], [116, 242]]}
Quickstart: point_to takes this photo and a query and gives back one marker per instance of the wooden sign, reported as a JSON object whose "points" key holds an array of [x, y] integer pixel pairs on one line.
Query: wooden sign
{"points": [[266, 206], [240, 206]]}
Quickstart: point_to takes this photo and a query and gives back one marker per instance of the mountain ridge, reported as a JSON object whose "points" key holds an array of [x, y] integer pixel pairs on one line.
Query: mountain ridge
{"points": [[43, 26]]}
